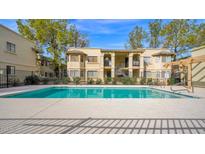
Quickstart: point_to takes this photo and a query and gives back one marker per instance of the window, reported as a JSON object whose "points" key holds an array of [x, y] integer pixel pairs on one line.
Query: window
{"points": [[42, 62], [65, 73], [46, 74], [50, 75], [166, 74], [147, 74], [74, 58], [10, 70], [147, 60], [157, 59], [74, 73], [166, 59], [82, 73], [11, 47], [158, 74], [92, 74], [92, 59], [81, 59], [47, 63]]}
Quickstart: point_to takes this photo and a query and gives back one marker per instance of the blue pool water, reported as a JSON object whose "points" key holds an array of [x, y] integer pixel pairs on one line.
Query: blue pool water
{"points": [[96, 92]]}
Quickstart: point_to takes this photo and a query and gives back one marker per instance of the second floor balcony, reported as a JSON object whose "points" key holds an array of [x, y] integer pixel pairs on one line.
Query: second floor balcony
{"points": [[136, 63], [107, 63]]}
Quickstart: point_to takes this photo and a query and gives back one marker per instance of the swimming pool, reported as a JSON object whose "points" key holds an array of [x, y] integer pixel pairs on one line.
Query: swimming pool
{"points": [[96, 92]]}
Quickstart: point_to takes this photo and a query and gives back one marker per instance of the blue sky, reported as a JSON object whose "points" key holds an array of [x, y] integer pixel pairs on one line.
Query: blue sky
{"points": [[108, 33]]}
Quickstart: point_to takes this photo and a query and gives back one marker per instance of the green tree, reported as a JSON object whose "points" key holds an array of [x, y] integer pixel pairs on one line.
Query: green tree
{"points": [[76, 38], [48, 33], [136, 38], [179, 35], [199, 35], [154, 33]]}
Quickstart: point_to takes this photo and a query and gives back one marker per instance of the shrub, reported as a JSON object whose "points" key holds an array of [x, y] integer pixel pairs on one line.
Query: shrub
{"points": [[90, 81], [127, 81], [149, 81], [32, 80], [114, 81], [107, 80], [171, 81], [135, 80], [76, 80], [66, 80], [98, 81], [45, 80], [57, 81], [156, 81], [143, 81]]}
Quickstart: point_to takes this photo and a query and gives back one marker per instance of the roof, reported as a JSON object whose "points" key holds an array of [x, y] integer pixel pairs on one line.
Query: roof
{"points": [[198, 48], [46, 58], [164, 53], [123, 50], [117, 50], [75, 52]]}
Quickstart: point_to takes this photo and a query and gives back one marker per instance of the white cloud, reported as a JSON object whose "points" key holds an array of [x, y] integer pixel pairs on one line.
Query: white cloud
{"points": [[93, 27]]}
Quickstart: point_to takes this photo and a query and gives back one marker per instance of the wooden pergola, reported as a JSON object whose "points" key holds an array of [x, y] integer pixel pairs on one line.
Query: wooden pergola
{"points": [[187, 62]]}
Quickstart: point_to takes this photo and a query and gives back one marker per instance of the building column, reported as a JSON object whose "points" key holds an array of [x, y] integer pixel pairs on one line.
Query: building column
{"points": [[102, 67], [86, 75], [130, 68], [190, 76], [113, 65], [141, 66]]}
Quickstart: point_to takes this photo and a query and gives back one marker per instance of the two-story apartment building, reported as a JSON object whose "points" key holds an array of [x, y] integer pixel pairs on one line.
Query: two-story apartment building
{"points": [[17, 55], [47, 68], [102, 63]]}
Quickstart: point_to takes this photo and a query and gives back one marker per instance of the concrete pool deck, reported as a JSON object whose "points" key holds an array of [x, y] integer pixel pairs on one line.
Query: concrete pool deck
{"points": [[183, 108]]}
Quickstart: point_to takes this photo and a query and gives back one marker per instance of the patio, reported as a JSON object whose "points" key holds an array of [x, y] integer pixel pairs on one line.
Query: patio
{"points": [[68, 115]]}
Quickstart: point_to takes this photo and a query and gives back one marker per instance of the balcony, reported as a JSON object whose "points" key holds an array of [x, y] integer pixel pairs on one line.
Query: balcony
{"points": [[136, 63], [107, 63], [107, 60], [121, 65]]}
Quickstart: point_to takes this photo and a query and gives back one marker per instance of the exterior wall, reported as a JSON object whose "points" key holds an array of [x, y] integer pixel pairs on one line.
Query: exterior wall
{"points": [[120, 59], [155, 66], [117, 62], [198, 69], [87, 66], [47, 69], [24, 58]]}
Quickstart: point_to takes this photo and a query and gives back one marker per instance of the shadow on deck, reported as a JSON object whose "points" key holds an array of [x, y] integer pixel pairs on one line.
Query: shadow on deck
{"points": [[101, 126]]}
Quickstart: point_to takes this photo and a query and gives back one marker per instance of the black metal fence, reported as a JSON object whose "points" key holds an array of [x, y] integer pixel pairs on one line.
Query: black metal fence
{"points": [[13, 78]]}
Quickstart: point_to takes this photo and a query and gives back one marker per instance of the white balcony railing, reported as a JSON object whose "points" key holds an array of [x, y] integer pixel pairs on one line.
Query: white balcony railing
{"points": [[107, 63], [136, 63]]}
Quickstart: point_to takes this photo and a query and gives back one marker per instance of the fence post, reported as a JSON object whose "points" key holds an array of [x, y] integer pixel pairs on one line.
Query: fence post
{"points": [[7, 78]]}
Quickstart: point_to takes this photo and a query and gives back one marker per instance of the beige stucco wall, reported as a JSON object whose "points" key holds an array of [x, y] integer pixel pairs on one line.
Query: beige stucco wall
{"points": [[97, 66], [198, 69], [24, 59], [47, 69], [154, 65], [119, 59]]}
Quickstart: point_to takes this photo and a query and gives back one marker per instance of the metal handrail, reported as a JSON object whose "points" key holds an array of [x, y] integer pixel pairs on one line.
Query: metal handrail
{"points": [[181, 84]]}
